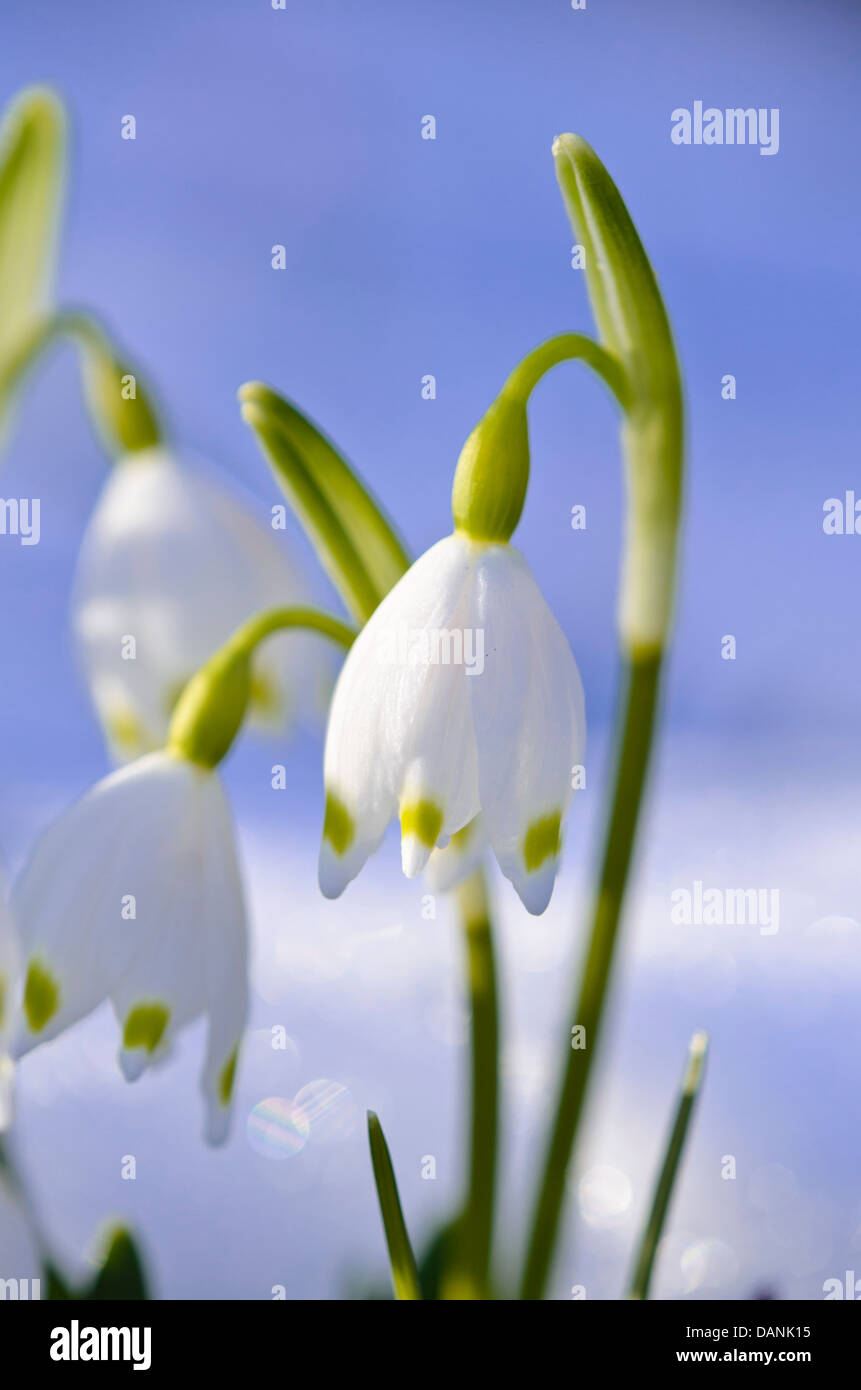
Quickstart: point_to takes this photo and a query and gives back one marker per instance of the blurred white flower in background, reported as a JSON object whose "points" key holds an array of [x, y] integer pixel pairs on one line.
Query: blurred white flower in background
{"points": [[9, 990], [134, 894], [170, 565]]}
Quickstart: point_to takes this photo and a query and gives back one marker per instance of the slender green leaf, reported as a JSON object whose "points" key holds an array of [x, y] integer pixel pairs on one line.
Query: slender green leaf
{"points": [[691, 1083], [32, 155], [405, 1277], [56, 1287], [355, 542], [122, 1274]]}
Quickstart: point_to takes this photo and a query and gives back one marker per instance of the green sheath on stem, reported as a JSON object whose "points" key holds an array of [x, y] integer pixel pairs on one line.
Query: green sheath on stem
{"points": [[630, 313]]}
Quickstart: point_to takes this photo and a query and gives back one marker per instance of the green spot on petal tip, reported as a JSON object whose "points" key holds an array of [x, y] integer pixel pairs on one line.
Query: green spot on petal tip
{"points": [[227, 1077], [541, 841], [422, 819], [145, 1026], [338, 826], [41, 997]]}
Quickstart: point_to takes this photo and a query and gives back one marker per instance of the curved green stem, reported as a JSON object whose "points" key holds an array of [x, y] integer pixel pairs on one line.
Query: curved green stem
{"points": [[567, 347], [632, 763], [121, 409], [492, 473], [263, 625], [211, 708], [468, 1277]]}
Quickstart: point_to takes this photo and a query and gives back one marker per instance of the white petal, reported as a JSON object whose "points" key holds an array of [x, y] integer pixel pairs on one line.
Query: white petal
{"points": [[449, 866], [225, 971], [399, 726], [125, 839], [530, 723], [164, 986], [173, 560]]}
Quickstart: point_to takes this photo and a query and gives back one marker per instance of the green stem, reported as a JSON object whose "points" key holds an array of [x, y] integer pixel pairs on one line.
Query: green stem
{"points": [[262, 625], [564, 348], [469, 1277], [666, 1181], [632, 762]]}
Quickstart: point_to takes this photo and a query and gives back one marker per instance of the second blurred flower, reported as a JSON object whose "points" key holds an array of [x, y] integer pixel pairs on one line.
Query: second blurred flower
{"points": [[170, 565]]}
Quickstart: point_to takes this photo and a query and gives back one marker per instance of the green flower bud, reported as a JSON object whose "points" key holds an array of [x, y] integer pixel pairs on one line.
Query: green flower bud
{"points": [[493, 471], [211, 708], [118, 404]]}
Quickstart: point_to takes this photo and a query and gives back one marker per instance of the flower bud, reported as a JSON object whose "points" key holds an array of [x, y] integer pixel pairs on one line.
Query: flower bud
{"points": [[493, 471], [119, 406], [210, 710]]}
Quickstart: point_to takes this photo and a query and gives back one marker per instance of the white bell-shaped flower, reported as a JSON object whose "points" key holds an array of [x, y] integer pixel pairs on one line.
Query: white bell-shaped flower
{"points": [[170, 565], [134, 894], [460, 695]]}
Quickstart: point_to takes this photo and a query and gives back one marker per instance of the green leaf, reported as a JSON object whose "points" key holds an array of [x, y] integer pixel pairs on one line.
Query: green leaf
{"points": [[664, 1188], [122, 1274], [32, 159], [405, 1277], [56, 1288], [354, 540]]}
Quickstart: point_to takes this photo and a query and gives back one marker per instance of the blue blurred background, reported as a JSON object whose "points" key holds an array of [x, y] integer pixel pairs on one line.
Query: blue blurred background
{"points": [[406, 256]]}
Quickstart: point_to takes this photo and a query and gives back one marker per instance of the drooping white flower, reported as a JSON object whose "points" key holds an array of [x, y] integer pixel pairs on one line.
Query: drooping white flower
{"points": [[460, 695], [170, 565], [134, 894]]}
